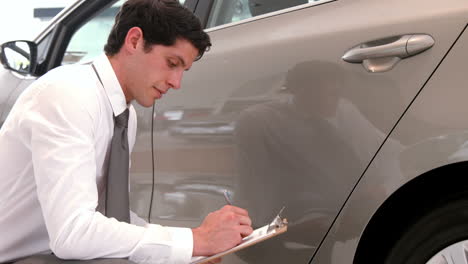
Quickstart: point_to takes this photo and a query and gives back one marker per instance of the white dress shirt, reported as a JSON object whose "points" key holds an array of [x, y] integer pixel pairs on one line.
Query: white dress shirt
{"points": [[54, 149]]}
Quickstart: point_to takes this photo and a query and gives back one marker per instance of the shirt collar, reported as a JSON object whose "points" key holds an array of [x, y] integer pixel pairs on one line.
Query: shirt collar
{"points": [[111, 84]]}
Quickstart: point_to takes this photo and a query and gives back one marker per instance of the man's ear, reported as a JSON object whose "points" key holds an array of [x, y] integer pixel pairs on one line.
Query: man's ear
{"points": [[133, 40]]}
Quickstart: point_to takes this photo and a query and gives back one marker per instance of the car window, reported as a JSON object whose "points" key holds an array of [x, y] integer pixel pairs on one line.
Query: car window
{"points": [[227, 11], [88, 41]]}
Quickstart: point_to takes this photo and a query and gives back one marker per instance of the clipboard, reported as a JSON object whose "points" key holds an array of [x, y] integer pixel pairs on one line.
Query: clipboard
{"points": [[278, 226]]}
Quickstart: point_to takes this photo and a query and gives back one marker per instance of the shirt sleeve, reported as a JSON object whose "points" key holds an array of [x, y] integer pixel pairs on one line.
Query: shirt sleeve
{"points": [[136, 220], [62, 124]]}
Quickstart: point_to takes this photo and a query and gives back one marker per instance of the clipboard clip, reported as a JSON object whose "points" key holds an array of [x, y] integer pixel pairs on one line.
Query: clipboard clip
{"points": [[278, 221]]}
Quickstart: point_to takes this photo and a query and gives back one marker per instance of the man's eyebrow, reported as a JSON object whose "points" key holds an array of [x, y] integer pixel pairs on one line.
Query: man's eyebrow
{"points": [[181, 60]]}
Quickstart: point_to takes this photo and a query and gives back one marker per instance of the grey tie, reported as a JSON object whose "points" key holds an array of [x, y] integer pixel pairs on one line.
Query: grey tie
{"points": [[117, 201]]}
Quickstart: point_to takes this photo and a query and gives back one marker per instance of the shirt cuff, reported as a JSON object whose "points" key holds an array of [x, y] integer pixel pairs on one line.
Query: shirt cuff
{"points": [[160, 244], [182, 249]]}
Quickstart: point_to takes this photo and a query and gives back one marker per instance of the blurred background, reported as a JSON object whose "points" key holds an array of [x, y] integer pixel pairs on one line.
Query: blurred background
{"points": [[24, 19]]}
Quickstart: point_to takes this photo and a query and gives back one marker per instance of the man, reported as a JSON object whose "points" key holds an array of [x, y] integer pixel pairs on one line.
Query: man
{"points": [[55, 149]]}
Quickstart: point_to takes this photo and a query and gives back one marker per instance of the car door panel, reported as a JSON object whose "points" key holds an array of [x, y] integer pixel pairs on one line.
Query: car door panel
{"points": [[273, 114], [434, 135]]}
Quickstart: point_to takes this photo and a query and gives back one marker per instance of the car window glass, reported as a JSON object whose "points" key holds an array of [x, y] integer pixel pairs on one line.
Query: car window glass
{"points": [[227, 11], [88, 41]]}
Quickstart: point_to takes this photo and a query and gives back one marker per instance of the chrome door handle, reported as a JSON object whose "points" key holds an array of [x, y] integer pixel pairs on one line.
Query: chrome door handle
{"points": [[382, 55]]}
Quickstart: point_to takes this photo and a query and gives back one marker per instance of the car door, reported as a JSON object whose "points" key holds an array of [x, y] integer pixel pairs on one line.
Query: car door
{"points": [[289, 107]]}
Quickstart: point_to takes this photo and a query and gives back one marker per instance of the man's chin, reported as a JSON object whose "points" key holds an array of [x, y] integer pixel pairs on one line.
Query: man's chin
{"points": [[146, 103]]}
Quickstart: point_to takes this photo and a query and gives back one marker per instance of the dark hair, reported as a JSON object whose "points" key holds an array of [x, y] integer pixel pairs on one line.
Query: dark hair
{"points": [[162, 22]]}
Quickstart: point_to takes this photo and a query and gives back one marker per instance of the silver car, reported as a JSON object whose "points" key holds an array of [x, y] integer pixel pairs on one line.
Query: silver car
{"points": [[351, 114]]}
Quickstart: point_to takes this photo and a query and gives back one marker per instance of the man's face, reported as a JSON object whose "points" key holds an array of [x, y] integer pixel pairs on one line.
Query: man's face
{"points": [[151, 74]]}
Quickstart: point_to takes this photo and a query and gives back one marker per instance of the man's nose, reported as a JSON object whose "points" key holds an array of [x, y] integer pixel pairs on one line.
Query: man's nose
{"points": [[175, 80]]}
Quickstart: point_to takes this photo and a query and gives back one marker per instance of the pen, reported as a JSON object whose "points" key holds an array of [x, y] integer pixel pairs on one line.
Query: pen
{"points": [[227, 196]]}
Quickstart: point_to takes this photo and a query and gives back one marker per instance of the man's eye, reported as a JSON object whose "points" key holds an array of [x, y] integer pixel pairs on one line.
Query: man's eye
{"points": [[171, 64]]}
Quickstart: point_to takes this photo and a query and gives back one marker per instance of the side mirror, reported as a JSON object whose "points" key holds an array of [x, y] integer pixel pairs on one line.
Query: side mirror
{"points": [[19, 56]]}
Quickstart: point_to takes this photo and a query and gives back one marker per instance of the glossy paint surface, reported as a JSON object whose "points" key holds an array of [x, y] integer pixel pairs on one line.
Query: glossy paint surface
{"points": [[433, 133], [277, 118]]}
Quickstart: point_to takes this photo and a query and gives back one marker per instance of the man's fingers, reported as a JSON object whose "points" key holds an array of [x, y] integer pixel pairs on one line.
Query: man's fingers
{"points": [[237, 215], [220, 230], [245, 220], [245, 230], [241, 218], [235, 209]]}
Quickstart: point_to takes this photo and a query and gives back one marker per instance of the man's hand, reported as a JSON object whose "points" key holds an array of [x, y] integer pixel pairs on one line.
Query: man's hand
{"points": [[221, 230]]}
